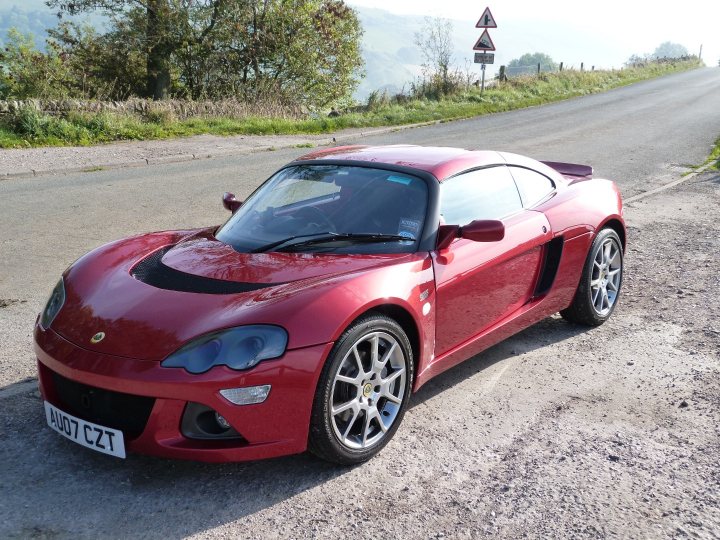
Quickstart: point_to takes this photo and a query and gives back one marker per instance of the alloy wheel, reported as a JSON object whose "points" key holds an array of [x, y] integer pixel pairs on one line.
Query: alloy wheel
{"points": [[606, 276], [368, 390]]}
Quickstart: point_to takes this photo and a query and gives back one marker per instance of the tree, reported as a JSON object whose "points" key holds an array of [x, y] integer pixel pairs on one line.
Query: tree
{"points": [[533, 59], [669, 49], [435, 43], [164, 23], [27, 73], [103, 66], [306, 50]]}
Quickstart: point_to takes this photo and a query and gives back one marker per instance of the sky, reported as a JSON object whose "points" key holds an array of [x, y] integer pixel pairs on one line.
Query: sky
{"points": [[619, 27]]}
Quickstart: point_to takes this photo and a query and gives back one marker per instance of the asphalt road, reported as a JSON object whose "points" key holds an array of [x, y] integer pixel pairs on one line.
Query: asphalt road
{"points": [[642, 136]]}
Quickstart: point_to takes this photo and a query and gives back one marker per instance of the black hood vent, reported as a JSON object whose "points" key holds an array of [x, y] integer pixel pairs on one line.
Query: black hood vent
{"points": [[153, 272]]}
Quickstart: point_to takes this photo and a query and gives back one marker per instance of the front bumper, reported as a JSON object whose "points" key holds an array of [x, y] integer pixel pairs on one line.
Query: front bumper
{"points": [[278, 426]]}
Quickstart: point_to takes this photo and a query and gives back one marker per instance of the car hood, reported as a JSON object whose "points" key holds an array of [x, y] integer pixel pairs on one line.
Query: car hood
{"points": [[153, 293]]}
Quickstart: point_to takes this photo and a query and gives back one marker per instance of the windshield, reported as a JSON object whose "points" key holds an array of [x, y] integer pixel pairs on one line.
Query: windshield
{"points": [[329, 208]]}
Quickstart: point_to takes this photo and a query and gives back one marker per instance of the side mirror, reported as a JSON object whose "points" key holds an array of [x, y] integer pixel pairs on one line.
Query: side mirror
{"points": [[483, 230], [230, 202]]}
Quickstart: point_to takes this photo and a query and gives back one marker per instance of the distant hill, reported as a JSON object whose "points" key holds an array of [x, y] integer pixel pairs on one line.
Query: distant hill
{"points": [[33, 19], [392, 60]]}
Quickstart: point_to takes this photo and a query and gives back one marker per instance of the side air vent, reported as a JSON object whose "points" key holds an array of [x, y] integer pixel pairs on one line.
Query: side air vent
{"points": [[551, 262], [153, 272]]}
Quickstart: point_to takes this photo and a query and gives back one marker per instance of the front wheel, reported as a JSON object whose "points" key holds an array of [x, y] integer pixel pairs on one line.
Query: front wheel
{"points": [[599, 289], [363, 391]]}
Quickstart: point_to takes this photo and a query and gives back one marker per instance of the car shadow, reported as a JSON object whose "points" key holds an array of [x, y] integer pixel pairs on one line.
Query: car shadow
{"points": [[52, 488], [542, 334]]}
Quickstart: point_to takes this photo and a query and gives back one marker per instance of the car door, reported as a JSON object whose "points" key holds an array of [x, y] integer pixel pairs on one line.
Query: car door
{"points": [[480, 283]]}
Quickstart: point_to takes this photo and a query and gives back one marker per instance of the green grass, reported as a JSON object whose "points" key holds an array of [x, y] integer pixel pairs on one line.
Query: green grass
{"points": [[30, 128], [714, 157]]}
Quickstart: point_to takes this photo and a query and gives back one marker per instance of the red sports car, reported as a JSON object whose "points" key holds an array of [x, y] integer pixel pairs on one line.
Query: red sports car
{"points": [[340, 286]]}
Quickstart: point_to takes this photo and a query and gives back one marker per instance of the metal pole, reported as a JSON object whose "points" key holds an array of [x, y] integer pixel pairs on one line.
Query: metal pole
{"points": [[700, 55], [482, 84]]}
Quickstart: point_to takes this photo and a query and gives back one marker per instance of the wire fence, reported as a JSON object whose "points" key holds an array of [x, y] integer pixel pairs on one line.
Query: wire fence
{"points": [[516, 71], [535, 69]]}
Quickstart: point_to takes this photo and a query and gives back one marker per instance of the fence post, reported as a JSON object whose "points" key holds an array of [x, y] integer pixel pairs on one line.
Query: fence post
{"points": [[502, 75], [561, 66], [538, 68], [593, 68], [582, 65]]}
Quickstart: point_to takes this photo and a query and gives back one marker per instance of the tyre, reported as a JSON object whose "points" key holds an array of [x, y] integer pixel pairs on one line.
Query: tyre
{"points": [[599, 289], [363, 391]]}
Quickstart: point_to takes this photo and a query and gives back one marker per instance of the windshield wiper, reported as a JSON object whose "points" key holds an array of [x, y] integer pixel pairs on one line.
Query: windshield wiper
{"points": [[323, 238], [360, 238], [271, 245]]}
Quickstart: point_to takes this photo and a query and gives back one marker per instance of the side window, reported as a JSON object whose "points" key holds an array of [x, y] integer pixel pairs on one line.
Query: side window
{"points": [[533, 186], [482, 194]]}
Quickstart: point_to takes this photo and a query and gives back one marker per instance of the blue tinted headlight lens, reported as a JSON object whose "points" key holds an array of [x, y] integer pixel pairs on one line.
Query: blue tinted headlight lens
{"points": [[54, 303], [237, 348]]}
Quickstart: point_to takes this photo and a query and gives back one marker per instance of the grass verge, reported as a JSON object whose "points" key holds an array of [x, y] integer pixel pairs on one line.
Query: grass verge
{"points": [[714, 157], [29, 128]]}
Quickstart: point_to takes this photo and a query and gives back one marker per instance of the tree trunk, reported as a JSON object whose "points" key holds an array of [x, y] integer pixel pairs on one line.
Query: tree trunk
{"points": [[158, 59]]}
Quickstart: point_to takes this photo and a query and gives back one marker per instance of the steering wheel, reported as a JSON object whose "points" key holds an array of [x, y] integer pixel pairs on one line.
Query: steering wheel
{"points": [[316, 216]]}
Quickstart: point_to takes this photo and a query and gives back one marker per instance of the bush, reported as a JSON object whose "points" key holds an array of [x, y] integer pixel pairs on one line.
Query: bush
{"points": [[377, 100], [28, 121], [163, 117]]}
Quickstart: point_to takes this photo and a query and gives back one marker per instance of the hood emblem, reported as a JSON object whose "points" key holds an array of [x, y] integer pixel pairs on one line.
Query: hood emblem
{"points": [[97, 338]]}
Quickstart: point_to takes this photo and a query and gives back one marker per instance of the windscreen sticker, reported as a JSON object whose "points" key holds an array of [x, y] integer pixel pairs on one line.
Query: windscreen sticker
{"points": [[400, 180], [409, 228]]}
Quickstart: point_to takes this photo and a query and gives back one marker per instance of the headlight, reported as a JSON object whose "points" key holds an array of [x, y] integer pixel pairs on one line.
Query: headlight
{"points": [[54, 303], [237, 348]]}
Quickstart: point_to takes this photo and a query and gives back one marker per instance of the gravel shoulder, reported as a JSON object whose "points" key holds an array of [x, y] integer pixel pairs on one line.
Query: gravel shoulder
{"points": [[557, 432]]}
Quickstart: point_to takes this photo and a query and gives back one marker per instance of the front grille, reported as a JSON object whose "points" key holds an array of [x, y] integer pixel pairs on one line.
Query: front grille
{"points": [[125, 412]]}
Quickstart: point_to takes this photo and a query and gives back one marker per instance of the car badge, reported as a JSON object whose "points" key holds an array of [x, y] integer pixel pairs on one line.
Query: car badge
{"points": [[97, 338]]}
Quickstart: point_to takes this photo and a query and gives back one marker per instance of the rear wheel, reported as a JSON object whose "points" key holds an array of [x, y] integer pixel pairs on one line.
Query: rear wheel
{"points": [[363, 391], [599, 289]]}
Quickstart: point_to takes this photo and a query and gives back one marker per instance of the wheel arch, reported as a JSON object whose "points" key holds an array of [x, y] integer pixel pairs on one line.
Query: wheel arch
{"points": [[406, 321], [616, 225]]}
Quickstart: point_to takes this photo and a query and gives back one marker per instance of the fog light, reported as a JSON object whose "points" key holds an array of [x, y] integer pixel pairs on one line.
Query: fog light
{"points": [[220, 419], [246, 396]]}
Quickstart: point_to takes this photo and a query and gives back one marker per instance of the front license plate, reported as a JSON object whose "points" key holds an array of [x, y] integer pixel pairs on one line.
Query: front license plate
{"points": [[99, 438]]}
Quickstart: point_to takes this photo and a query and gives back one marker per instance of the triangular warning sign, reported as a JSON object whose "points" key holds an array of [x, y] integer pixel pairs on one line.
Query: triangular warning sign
{"points": [[486, 20], [484, 43]]}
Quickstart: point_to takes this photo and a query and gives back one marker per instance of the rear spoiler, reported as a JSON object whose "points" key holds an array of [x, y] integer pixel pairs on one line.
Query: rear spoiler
{"points": [[571, 169]]}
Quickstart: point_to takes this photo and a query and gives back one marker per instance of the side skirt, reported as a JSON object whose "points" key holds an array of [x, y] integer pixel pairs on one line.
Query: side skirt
{"points": [[530, 313]]}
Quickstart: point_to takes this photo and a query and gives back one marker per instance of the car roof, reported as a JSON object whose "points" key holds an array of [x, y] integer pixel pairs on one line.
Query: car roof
{"points": [[440, 161]]}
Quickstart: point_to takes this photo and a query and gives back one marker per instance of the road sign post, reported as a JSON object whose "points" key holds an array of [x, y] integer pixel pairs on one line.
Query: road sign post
{"points": [[485, 44]]}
